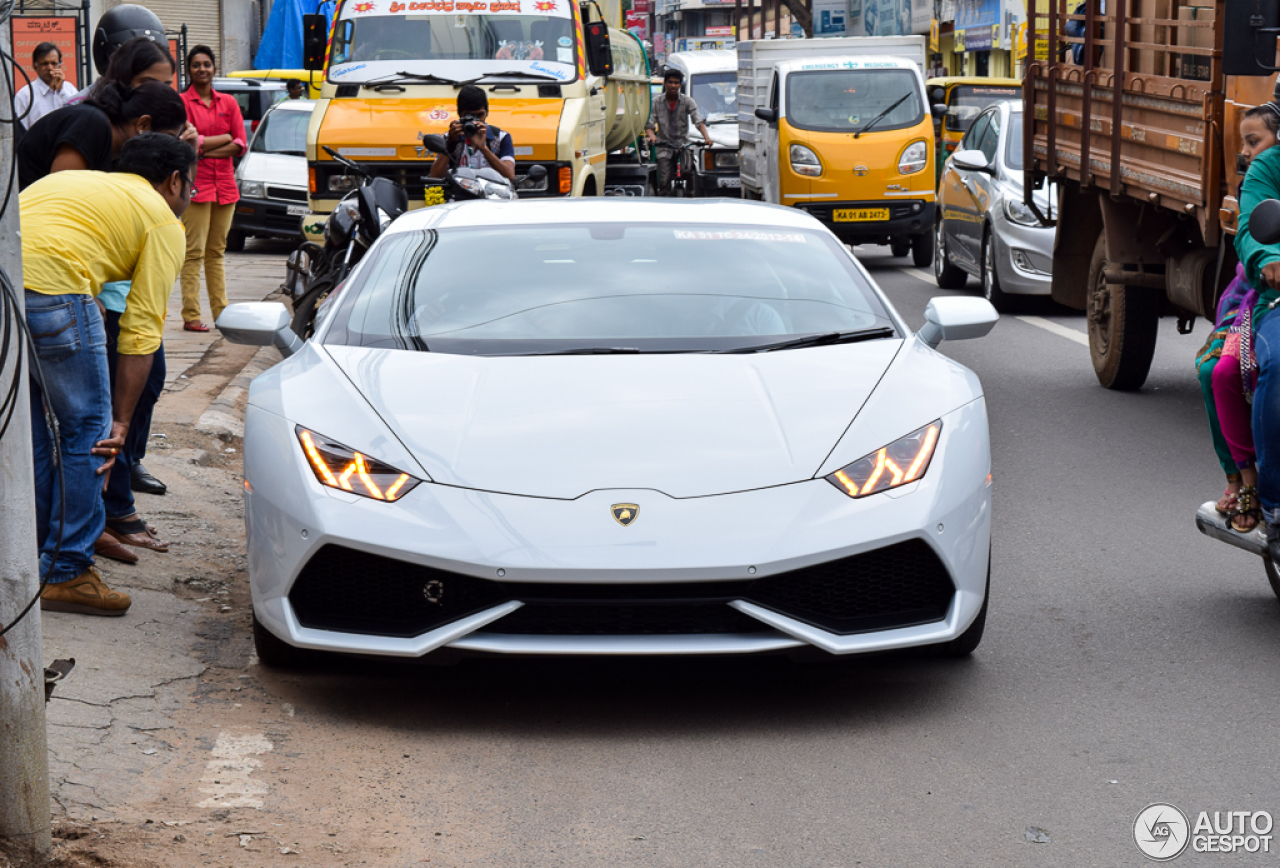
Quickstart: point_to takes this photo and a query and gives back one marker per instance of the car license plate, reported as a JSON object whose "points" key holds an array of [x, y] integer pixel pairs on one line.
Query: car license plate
{"points": [[729, 182], [860, 215], [298, 210]]}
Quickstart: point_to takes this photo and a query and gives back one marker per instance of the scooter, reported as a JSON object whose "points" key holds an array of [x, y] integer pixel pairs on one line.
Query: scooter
{"points": [[315, 271], [1264, 226]]}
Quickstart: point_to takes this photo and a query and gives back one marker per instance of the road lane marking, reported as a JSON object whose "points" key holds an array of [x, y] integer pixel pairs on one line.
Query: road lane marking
{"points": [[228, 778], [1051, 326], [919, 275]]}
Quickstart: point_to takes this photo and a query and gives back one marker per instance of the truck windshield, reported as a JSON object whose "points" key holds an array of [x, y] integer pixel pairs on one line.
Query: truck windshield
{"points": [[607, 287], [843, 100], [716, 94], [456, 46], [968, 100], [283, 132]]}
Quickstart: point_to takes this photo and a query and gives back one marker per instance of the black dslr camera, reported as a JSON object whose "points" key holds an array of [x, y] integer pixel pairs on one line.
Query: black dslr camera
{"points": [[469, 122]]}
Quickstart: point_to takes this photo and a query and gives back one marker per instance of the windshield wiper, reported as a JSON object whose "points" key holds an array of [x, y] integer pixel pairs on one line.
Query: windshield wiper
{"points": [[397, 77], [819, 340], [515, 73], [875, 120]]}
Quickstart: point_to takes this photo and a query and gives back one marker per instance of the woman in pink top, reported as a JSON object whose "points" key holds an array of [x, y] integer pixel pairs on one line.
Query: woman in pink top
{"points": [[216, 117]]}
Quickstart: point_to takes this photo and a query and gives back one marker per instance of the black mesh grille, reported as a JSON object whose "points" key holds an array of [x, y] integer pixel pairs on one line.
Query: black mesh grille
{"points": [[894, 586], [350, 591]]}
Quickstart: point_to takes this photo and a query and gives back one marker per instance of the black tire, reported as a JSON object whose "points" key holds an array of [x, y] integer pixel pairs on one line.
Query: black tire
{"points": [[235, 241], [304, 313], [276, 653], [1273, 576], [967, 642], [947, 275], [991, 290], [899, 246], [922, 250], [1123, 323]]}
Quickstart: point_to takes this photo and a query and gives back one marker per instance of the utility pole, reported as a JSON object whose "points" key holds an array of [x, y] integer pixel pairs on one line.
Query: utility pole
{"points": [[24, 758]]}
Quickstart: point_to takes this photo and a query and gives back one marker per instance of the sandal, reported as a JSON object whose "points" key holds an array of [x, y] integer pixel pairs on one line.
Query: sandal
{"points": [[1246, 508], [1227, 503]]}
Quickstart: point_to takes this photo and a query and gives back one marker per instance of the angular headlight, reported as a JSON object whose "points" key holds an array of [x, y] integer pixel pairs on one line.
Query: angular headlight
{"points": [[1019, 213], [253, 190], [725, 159], [343, 183], [900, 462], [805, 162], [340, 467], [914, 158]]}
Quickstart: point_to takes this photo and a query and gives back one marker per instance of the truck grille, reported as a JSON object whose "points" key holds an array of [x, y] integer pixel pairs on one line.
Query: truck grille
{"points": [[350, 591]]}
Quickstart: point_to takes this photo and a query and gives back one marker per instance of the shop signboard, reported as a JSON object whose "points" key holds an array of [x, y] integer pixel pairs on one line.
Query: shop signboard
{"points": [[28, 32], [977, 25], [886, 17], [829, 17]]}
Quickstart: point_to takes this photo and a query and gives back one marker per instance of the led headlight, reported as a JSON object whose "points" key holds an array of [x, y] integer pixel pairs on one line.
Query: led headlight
{"points": [[1019, 213], [252, 190], [340, 467], [805, 162], [914, 158], [902, 461]]}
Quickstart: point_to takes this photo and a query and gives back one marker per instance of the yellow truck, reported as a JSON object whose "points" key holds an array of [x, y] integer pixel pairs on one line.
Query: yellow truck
{"points": [[567, 85], [841, 128], [1137, 126]]}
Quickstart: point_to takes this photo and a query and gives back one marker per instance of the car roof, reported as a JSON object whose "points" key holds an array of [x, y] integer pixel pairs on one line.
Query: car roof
{"points": [[842, 61], [729, 212], [294, 105], [225, 83], [708, 60], [948, 80]]}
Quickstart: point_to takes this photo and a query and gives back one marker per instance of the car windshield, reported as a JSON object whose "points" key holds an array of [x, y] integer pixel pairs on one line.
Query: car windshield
{"points": [[716, 94], [846, 100], [458, 45], [968, 100], [283, 132], [1013, 141], [609, 287]]}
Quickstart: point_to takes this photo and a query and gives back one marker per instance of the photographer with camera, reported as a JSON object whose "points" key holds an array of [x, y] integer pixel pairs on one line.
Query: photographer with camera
{"points": [[475, 144]]}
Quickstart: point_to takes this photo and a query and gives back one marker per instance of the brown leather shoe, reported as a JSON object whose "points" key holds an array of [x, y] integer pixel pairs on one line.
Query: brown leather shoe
{"points": [[107, 547], [86, 594], [135, 532]]}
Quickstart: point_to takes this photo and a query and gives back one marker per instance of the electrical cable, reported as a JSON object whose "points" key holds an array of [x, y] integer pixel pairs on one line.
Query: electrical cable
{"points": [[15, 340]]}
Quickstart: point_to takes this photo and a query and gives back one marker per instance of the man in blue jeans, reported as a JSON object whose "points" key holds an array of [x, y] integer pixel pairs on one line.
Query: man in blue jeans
{"points": [[82, 230]]}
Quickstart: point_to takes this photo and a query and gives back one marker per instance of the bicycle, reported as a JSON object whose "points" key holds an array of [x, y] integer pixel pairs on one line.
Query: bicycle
{"points": [[681, 184]]}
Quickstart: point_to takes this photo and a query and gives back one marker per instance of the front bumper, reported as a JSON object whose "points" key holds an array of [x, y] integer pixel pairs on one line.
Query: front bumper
{"points": [[1024, 257], [269, 218], [479, 571], [907, 217]]}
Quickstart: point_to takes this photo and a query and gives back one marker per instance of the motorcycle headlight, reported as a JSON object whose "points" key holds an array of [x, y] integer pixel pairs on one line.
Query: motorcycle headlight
{"points": [[914, 158], [345, 469], [805, 162], [497, 191], [1018, 212], [902, 461], [253, 190], [343, 183]]}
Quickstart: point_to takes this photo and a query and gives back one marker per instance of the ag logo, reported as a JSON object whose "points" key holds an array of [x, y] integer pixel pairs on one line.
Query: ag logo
{"points": [[624, 513], [860, 170], [1161, 832]]}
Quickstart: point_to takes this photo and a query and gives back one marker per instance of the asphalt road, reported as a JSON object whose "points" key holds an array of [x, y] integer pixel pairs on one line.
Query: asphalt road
{"points": [[1128, 660]]}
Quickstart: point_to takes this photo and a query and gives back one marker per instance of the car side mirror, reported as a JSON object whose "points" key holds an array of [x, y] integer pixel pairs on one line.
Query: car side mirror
{"points": [[259, 324], [972, 160], [599, 52], [435, 143], [955, 319], [938, 109], [767, 114], [1264, 222], [315, 40]]}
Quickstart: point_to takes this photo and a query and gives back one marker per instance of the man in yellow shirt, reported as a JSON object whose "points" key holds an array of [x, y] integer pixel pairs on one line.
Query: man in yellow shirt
{"points": [[81, 230]]}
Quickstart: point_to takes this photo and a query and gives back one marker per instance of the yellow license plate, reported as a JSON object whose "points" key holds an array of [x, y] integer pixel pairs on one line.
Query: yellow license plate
{"points": [[860, 215]]}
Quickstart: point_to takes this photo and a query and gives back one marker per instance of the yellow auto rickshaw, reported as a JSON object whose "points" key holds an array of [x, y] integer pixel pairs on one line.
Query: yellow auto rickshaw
{"points": [[965, 98]]}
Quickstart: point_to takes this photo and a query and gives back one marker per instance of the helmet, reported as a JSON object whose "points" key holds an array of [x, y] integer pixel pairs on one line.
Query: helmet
{"points": [[118, 26]]}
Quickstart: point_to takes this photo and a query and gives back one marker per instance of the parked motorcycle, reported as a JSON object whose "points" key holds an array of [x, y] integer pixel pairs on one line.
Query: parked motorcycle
{"points": [[315, 271], [1264, 226]]}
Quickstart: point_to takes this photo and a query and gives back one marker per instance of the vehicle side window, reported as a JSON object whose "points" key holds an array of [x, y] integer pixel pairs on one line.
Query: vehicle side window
{"points": [[971, 138], [773, 92], [990, 140]]}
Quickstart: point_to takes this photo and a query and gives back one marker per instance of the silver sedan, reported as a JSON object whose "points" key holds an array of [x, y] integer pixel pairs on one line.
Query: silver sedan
{"points": [[984, 229]]}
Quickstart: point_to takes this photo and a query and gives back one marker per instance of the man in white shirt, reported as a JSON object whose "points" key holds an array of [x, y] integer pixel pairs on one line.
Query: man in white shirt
{"points": [[48, 92]]}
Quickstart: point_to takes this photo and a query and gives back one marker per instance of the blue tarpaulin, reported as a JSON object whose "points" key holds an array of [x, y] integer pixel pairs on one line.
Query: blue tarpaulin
{"points": [[281, 45]]}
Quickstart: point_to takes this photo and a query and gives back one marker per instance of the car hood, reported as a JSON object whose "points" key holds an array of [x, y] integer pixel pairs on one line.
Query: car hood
{"points": [[724, 135], [281, 170], [561, 426]]}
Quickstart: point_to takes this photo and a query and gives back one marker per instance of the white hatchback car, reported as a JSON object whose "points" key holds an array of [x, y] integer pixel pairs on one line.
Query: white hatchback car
{"points": [[615, 427], [272, 177]]}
